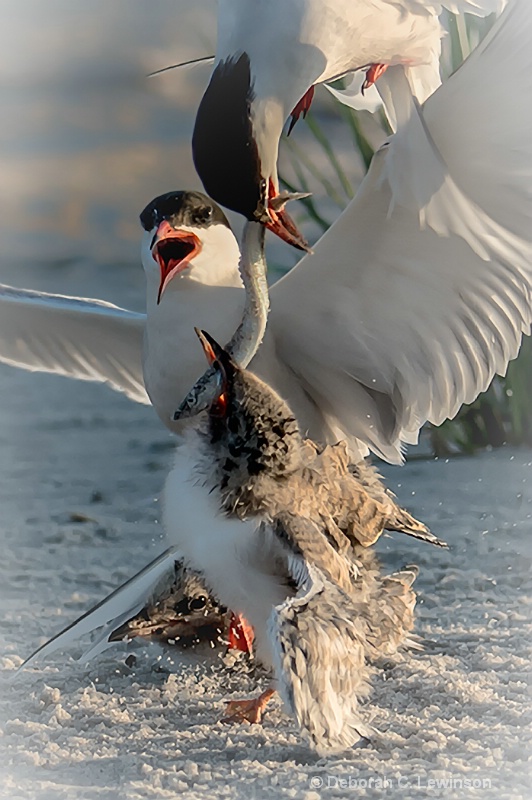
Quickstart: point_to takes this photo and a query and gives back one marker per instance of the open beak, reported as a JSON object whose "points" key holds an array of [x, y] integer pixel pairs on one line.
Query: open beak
{"points": [[281, 223], [173, 250]]}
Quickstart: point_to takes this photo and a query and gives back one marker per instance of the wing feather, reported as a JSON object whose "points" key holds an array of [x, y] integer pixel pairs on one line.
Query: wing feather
{"points": [[80, 338], [422, 290], [319, 652], [114, 610]]}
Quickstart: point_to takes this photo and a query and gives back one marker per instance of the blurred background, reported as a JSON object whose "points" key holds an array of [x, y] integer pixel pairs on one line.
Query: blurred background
{"points": [[86, 138]]}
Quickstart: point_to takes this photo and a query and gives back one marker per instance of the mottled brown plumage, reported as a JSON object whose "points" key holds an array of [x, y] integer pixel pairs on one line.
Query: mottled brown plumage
{"points": [[264, 465], [279, 529]]}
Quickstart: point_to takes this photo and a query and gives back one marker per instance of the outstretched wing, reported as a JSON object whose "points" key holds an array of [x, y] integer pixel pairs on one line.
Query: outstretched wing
{"points": [[80, 338], [421, 291], [119, 607]]}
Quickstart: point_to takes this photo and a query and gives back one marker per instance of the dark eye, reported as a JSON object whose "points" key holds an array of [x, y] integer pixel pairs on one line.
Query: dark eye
{"points": [[198, 603], [203, 215], [263, 186]]}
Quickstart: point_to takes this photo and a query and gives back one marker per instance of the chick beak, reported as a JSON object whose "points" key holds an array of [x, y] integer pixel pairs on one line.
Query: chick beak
{"points": [[208, 393], [173, 250], [215, 356]]}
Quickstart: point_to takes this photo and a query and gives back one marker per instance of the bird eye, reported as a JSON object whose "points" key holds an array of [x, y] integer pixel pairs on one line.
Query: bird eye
{"points": [[203, 215], [263, 186], [198, 603]]}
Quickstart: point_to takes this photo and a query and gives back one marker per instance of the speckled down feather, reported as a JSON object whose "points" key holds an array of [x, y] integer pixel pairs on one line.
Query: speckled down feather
{"points": [[264, 465], [344, 617]]}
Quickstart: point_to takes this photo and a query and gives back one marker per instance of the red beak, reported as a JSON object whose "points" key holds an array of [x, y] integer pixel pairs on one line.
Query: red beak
{"points": [[173, 250], [282, 224]]}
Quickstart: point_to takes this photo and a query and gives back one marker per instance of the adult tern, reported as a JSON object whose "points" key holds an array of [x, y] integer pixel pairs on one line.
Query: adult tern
{"points": [[270, 56]]}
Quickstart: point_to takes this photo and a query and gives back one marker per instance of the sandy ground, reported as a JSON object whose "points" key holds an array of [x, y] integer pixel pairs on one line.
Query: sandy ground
{"points": [[80, 471]]}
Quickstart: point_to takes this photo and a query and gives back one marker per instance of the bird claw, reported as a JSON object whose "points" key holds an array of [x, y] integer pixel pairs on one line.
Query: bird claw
{"points": [[243, 711], [250, 711], [373, 74], [301, 108]]}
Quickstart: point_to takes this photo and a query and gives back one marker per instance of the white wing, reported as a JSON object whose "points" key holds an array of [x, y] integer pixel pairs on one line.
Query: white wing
{"points": [[85, 339], [421, 290], [480, 8], [117, 608]]}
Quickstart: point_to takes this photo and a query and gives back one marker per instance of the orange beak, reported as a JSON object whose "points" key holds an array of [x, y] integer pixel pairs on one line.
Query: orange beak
{"points": [[220, 405], [173, 250], [208, 349], [282, 224]]}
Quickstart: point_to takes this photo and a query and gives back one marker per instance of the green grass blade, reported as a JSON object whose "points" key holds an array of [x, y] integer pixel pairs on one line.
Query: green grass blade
{"points": [[311, 168], [322, 140], [361, 143]]}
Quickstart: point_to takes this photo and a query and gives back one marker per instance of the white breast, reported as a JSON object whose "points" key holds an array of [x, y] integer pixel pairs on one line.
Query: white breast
{"points": [[173, 359], [233, 555]]}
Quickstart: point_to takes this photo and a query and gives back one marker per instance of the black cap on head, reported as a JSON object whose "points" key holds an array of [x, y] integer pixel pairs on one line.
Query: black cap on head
{"points": [[224, 151], [193, 209]]}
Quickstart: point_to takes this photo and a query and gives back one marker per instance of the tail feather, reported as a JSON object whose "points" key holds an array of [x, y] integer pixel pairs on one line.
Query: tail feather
{"points": [[390, 612], [397, 518], [403, 522]]}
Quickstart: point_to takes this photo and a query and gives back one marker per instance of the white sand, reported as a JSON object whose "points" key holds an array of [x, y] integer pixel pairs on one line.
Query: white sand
{"points": [[457, 712]]}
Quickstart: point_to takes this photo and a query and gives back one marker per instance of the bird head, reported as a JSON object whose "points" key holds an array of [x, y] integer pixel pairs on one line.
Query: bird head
{"points": [[235, 148], [187, 235], [249, 424]]}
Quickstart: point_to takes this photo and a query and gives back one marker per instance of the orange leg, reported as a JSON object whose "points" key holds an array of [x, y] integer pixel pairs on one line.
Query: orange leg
{"points": [[248, 710], [373, 74], [301, 108], [241, 634]]}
